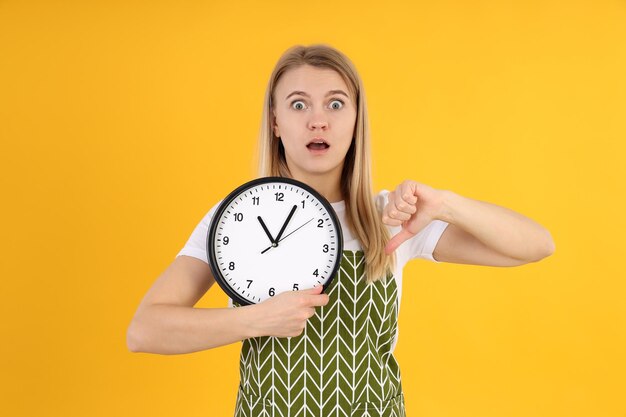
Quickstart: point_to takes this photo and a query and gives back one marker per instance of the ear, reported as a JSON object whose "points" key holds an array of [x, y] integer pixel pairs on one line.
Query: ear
{"points": [[274, 125]]}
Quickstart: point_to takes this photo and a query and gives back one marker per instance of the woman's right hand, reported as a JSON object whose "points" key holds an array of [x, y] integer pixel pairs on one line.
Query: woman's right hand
{"points": [[286, 314]]}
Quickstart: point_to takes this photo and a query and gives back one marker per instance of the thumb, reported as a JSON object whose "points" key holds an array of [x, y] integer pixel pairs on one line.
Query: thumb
{"points": [[315, 290], [397, 240]]}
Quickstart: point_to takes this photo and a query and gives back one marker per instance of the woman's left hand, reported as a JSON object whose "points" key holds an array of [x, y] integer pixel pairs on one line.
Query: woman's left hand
{"points": [[413, 206]]}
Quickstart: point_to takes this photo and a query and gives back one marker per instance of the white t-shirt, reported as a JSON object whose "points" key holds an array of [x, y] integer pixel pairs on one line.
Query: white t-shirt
{"points": [[421, 245]]}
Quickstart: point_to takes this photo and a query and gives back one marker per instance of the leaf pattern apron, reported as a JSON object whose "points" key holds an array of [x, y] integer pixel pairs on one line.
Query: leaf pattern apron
{"points": [[341, 365]]}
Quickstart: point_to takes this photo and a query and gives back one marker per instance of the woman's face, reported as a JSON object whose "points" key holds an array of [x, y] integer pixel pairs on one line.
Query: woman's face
{"points": [[315, 118]]}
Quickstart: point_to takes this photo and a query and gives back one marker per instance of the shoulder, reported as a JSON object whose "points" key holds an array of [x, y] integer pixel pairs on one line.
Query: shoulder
{"points": [[209, 215], [380, 199], [204, 223]]}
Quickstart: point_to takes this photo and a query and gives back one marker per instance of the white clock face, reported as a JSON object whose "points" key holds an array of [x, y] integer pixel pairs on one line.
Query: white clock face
{"points": [[271, 237]]}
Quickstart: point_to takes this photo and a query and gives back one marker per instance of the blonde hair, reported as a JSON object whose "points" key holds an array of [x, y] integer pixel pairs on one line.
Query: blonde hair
{"points": [[364, 219]]}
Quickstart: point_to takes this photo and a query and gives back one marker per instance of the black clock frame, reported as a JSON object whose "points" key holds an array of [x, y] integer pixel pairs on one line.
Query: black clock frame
{"points": [[212, 257]]}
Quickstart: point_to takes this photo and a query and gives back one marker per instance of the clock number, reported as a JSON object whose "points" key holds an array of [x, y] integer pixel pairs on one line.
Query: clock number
{"points": [[249, 282], [272, 292], [225, 240], [302, 203], [255, 201], [320, 223], [325, 248], [238, 217], [231, 266], [295, 287], [279, 196], [317, 274]]}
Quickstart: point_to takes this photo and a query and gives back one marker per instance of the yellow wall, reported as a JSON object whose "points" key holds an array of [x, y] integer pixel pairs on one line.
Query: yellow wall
{"points": [[122, 123]]}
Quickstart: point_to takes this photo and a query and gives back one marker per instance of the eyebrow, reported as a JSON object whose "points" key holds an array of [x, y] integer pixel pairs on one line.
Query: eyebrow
{"points": [[330, 93]]}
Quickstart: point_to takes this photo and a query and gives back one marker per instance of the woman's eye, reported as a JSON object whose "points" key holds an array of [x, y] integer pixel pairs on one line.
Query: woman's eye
{"points": [[336, 104], [298, 105]]}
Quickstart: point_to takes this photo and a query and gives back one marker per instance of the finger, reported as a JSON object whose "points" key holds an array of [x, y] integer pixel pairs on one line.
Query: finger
{"points": [[317, 300], [397, 240], [391, 222], [393, 217], [310, 312], [315, 290], [407, 193], [402, 202], [394, 213]]}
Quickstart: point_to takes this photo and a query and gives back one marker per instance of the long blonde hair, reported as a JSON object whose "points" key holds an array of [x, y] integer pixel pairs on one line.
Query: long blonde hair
{"points": [[362, 215]]}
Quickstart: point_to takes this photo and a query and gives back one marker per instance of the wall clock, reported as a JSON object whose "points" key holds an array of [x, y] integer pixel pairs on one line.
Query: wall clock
{"points": [[271, 235]]}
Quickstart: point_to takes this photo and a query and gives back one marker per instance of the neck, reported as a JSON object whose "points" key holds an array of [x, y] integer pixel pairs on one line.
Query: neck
{"points": [[327, 184]]}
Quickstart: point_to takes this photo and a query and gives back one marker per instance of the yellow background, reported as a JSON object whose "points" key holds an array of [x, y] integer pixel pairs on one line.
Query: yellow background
{"points": [[123, 122]]}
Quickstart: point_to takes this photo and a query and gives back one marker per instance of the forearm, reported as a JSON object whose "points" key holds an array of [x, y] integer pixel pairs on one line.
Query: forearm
{"points": [[500, 228], [171, 329]]}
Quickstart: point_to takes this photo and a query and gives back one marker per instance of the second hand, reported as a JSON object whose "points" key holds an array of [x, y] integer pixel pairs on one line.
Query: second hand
{"points": [[284, 237]]}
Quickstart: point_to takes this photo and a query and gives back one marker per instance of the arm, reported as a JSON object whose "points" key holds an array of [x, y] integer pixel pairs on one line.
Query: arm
{"points": [[479, 233], [486, 234], [167, 323]]}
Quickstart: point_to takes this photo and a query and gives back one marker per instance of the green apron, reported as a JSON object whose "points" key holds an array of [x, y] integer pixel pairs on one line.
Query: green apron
{"points": [[341, 364]]}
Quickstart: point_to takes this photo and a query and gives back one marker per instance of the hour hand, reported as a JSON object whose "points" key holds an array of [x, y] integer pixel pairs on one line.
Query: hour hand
{"points": [[267, 232]]}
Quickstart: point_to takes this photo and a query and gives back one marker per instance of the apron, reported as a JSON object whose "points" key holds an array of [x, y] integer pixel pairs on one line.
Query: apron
{"points": [[341, 364]]}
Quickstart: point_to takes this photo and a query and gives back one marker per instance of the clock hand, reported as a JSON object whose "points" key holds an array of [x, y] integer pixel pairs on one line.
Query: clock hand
{"points": [[293, 209], [267, 232], [275, 242], [284, 237], [290, 233]]}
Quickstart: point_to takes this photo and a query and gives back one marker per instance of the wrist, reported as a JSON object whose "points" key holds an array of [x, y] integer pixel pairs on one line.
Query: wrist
{"points": [[250, 321], [448, 202]]}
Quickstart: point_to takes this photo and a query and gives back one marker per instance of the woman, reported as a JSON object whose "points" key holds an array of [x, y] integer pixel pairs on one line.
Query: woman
{"points": [[304, 352]]}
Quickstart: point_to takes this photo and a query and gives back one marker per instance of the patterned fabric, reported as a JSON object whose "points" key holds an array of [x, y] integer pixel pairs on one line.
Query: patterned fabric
{"points": [[341, 365]]}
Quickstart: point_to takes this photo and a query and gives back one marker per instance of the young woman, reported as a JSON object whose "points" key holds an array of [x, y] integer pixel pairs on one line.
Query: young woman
{"points": [[306, 353]]}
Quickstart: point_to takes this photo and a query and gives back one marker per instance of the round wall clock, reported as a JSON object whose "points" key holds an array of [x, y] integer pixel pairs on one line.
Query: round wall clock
{"points": [[272, 235]]}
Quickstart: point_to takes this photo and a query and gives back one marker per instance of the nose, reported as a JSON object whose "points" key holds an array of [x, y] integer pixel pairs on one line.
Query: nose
{"points": [[318, 121], [319, 124]]}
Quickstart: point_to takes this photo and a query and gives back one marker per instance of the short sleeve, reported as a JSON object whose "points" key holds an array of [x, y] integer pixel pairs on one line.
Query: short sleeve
{"points": [[196, 244], [424, 242]]}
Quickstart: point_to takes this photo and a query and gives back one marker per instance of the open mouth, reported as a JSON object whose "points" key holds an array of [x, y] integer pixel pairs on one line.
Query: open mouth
{"points": [[318, 145]]}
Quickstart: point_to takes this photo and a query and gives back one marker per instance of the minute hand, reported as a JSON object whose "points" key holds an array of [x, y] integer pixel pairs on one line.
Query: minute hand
{"points": [[282, 230], [295, 230], [287, 235]]}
